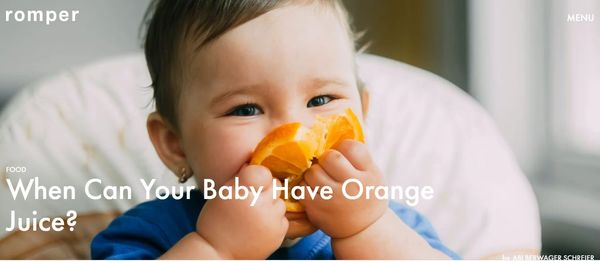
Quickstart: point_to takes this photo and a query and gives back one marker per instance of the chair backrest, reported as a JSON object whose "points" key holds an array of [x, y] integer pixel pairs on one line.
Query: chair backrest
{"points": [[423, 131]]}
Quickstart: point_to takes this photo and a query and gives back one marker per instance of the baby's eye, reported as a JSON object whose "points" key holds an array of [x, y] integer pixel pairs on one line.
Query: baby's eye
{"points": [[245, 110], [319, 101]]}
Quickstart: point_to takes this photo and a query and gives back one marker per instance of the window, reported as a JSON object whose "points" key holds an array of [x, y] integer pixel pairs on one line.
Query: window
{"points": [[576, 83]]}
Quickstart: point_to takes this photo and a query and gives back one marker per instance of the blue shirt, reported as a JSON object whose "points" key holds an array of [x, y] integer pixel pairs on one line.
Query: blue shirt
{"points": [[150, 229]]}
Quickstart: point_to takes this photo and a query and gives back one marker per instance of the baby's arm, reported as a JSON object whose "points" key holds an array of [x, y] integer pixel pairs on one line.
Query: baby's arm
{"points": [[387, 238], [233, 229], [361, 228]]}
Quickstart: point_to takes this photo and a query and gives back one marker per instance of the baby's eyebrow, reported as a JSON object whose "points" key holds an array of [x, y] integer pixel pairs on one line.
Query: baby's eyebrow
{"points": [[319, 82], [239, 90], [314, 83]]}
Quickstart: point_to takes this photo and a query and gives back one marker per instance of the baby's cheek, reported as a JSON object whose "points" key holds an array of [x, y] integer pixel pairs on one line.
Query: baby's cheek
{"points": [[221, 157]]}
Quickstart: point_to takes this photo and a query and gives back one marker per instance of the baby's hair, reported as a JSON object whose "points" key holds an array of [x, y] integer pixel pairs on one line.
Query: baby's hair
{"points": [[170, 23]]}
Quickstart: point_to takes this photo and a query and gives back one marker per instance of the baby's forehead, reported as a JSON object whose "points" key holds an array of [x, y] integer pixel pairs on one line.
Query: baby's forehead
{"points": [[287, 41], [295, 16]]}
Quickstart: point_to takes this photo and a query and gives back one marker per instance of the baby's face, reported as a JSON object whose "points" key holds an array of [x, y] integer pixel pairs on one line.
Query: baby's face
{"points": [[288, 65]]}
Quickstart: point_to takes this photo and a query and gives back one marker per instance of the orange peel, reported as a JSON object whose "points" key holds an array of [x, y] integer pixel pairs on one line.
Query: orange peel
{"points": [[290, 149]]}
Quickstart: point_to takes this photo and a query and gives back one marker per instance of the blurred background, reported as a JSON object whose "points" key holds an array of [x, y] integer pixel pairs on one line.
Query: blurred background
{"points": [[533, 66]]}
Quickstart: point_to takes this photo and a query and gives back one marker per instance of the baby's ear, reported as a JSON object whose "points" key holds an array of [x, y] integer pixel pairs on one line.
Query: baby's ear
{"points": [[166, 141], [364, 100]]}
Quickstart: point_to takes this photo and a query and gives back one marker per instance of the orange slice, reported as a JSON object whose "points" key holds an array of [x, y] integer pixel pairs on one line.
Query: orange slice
{"points": [[288, 150], [341, 127]]}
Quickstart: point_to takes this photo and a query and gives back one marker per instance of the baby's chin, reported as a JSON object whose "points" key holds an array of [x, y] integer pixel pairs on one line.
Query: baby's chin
{"points": [[299, 226]]}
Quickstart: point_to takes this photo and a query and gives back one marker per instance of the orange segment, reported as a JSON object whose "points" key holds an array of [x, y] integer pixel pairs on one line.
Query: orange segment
{"points": [[296, 153], [289, 149], [280, 168], [341, 127], [297, 142]]}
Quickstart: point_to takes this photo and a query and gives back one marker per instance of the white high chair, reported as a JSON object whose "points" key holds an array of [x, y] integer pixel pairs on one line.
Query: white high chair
{"points": [[90, 123]]}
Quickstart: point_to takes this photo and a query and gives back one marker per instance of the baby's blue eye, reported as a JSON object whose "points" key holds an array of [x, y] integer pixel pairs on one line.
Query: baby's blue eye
{"points": [[245, 110], [319, 101]]}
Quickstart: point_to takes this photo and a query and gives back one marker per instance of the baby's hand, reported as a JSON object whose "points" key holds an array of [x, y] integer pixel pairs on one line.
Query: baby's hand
{"points": [[239, 231], [340, 217]]}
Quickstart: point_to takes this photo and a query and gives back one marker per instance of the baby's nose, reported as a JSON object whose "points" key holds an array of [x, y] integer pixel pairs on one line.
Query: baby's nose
{"points": [[303, 116]]}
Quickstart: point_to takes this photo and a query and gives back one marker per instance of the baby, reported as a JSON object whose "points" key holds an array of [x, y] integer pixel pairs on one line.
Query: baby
{"points": [[224, 74]]}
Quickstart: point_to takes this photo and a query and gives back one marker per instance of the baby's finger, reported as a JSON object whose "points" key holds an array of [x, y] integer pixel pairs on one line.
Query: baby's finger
{"points": [[316, 176], [357, 154], [303, 183], [337, 166], [280, 208], [256, 176]]}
